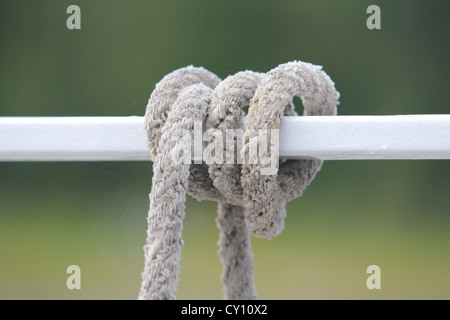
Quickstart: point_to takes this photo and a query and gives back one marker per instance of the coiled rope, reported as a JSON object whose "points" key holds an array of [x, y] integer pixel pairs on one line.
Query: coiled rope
{"points": [[251, 196]]}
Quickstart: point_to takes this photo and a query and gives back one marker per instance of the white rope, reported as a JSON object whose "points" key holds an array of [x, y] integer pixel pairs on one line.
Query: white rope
{"points": [[251, 195]]}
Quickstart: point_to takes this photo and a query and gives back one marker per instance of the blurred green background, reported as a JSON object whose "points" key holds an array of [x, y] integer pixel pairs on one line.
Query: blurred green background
{"points": [[394, 214]]}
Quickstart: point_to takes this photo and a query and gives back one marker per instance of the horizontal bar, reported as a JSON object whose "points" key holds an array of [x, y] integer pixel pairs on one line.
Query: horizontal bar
{"points": [[323, 137]]}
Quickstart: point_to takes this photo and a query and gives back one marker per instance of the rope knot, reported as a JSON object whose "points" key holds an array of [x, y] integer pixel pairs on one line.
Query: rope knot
{"points": [[192, 106]]}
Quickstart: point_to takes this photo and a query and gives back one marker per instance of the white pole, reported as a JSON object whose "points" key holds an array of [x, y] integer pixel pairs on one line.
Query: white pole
{"points": [[324, 137]]}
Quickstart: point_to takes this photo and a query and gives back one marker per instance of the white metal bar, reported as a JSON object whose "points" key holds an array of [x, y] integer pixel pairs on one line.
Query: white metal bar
{"points": [[324, 137]]}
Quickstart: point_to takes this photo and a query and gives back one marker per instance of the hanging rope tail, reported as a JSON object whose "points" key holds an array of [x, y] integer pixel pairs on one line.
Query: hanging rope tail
{"points": [[228, 100], [174, 105], [251, 195]]}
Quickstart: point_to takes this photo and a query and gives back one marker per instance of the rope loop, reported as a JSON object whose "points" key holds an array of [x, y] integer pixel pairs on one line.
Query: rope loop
{"points": [[191, 116]]}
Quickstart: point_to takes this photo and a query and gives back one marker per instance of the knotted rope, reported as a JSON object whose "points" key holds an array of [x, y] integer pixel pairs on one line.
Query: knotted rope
{"points": [[250, 200]]}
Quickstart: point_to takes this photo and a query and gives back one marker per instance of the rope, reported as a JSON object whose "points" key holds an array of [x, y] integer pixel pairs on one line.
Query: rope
{"points": [[251, 196]]}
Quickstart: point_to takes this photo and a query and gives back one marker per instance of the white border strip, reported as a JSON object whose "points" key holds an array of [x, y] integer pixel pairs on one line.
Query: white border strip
{"points": [[323, 137]]}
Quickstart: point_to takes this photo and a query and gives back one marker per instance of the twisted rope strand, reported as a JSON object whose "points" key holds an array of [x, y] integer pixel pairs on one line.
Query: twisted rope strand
{"points": [[165, 220], [227, 102], [264, 197], [250, 202]]}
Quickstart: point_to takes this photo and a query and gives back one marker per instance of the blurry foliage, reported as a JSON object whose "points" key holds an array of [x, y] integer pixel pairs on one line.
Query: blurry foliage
{"points": [[356, 213]]}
